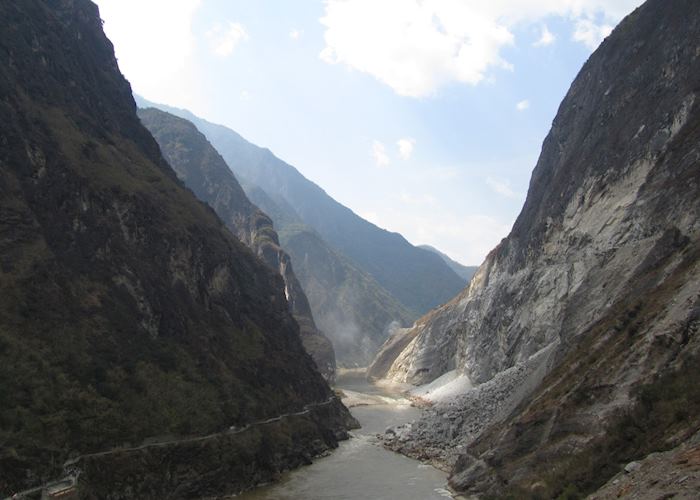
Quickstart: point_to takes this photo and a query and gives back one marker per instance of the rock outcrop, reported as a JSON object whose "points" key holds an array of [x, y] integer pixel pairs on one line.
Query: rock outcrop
{"points": [[202, 169], [128, 312], [602, 266]]}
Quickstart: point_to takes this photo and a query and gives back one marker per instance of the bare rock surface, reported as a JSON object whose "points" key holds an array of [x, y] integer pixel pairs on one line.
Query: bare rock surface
{"points": [[603, 263], [445, 429]]}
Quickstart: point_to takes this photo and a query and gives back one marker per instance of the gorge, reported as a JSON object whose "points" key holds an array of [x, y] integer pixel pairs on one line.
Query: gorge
{"points": [[185, 315]]}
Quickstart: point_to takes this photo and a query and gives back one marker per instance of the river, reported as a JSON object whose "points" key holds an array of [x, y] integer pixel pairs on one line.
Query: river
{"points": [[361, 468]]}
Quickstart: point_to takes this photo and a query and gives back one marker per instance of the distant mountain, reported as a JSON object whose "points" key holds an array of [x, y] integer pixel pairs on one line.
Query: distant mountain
{"points": [[465, 272], [420, 280], [128, 311], [347, 303], [203, 170], [356, 312]]}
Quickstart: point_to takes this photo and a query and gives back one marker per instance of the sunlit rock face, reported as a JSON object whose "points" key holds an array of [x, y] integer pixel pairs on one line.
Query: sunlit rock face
{"points": [[604, 253], [610, 191]]}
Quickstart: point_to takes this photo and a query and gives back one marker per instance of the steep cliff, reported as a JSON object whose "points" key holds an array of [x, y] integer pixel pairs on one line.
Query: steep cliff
{"points": [[587, 311], [203, 170], [127, 310], [348, 304]]}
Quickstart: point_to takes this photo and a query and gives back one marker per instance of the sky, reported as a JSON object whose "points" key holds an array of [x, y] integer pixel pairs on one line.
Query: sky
{"points": [[426, 117]]}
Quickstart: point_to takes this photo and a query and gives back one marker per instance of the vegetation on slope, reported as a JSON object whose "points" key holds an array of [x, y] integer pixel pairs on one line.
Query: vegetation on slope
{"points": [[127, 310], [572, 435]]}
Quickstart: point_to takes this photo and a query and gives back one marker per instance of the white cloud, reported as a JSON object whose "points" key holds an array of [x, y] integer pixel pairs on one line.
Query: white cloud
{"points": [[522, 105], [546, 38], [405, 146], [379, 154], [224, 38], [154, 47], [245, 95], [591, 34], [501, 187], [416, 46], [295, 34]]}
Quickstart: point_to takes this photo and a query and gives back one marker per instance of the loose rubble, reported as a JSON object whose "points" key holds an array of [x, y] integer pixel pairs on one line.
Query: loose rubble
{"points": [[447, 427]]}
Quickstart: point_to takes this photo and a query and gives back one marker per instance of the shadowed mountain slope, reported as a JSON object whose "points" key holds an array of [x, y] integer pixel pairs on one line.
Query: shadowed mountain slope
{"points": [[203, 170], [127, 310]]}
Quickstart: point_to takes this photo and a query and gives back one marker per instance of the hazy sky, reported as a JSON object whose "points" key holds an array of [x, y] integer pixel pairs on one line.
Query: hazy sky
{"points": [[424, 117]]}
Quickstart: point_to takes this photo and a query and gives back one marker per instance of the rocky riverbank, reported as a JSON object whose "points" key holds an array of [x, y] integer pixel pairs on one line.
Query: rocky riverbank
{"points": [[446, 427]]}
